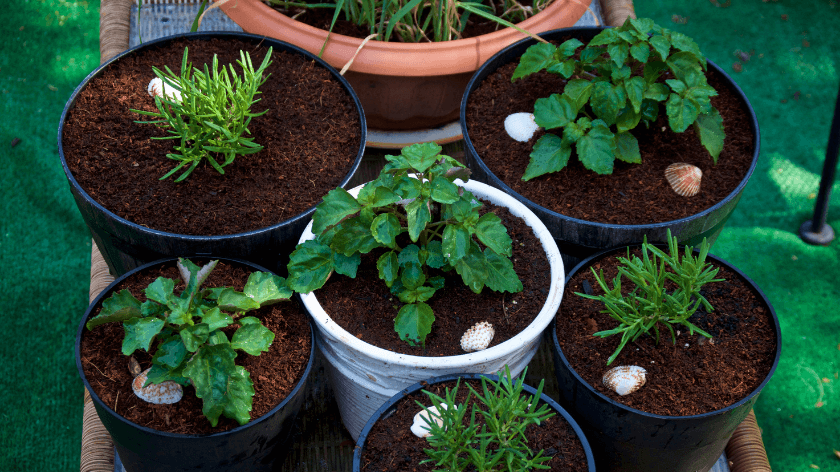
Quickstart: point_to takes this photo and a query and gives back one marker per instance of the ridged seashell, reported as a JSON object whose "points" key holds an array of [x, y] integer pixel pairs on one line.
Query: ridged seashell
{"points": [[157, 87], [163, 393], [478, 337], [521, 126], [684, 178], [420, 427], [624, 379]]}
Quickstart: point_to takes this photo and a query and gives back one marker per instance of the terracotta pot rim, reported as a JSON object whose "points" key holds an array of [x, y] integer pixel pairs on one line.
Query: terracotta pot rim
{"points": [[397, 59]]}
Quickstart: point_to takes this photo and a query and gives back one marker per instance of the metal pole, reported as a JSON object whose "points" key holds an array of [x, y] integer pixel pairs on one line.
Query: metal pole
{"points": [[816, 231]]}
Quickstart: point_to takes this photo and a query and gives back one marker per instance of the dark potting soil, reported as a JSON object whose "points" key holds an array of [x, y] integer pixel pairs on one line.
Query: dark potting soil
{"points": [[392, 447], [695, 375], [365, 307], [274, 373], [633, 193], [311, 135]]}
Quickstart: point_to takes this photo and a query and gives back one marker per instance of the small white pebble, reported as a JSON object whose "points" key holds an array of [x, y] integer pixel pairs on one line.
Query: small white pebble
{"points": [[521, 126], [158, 87], [686, 344], [420, 427], [478, 337]]}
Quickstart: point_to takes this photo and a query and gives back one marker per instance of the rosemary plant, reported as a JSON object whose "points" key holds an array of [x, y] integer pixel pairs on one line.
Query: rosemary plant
{"points": [[500, 444], [649, 304], [213, 113]]}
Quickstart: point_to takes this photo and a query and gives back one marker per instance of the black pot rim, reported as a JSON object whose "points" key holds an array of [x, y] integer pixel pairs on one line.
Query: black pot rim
{"points": [[485, 70], [96, 302], [417, 386], [717, 260], [306, 214]]}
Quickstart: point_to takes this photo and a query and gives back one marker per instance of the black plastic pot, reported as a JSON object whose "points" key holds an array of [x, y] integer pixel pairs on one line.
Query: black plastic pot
{"points": [[390, 406], [627, 439], [259, 445], [576, 238], [126, 245]]}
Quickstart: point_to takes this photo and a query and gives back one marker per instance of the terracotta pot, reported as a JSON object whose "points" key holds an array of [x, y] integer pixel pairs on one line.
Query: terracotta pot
{"points": [[402, 86]]}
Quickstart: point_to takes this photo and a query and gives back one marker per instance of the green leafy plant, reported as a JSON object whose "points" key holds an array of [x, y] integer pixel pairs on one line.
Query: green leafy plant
{"points": [[649, 304], [213, 113], [414, 195], [413, 21], [183, 332], [500, 444], [618, 80]]}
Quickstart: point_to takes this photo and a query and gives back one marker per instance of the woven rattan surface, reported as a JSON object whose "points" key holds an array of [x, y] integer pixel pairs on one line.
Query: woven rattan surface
{"points": [[321, 443]]}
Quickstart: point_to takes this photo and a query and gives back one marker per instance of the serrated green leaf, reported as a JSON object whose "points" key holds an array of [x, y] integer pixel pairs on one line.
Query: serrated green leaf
{"points": [[412, 275], [574, 131], [385, 228], [444, 191], [418, 294], [388, 267], [661, 45], [139, 333], [337, 205], [596, 150], [473, 269], [217, 337], [642, 25], [252, 337], [170, 353], [194, 336], [635, 89], [456, 242], [153, 308], [231, 300], [681, 113], [652, 71], [590, 54], [565, 69], [410, 255], [421, 156], [159, 373], [619, 52], [309, 266], [346, 265], [434, 255], [414, 322], [536, 58], [418, 216], [550, 154], [657, 92], [501, 276], [607, 36], [684, 43], [569, 47], [627, 120], [684, 66], [266, 288], [709, 127], [120, 306], [216, 319], [180, 312], [354, 236], [240, 396], [161, 291], [493, 234], [640, 52], [627, 148], [578, 92], [555, 111], [407, 187], [607, 101], [677, 86], [650, 110], [210, 371]]}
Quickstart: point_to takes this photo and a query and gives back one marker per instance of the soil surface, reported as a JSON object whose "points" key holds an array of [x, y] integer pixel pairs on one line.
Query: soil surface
{"points": [[365, 307], [695, 375], [633, 193], [274, 373], [392, 447], [311, 136]]}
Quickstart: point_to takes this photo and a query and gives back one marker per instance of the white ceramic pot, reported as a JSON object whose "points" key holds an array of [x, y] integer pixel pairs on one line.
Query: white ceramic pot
{"points": [[364, 376]]}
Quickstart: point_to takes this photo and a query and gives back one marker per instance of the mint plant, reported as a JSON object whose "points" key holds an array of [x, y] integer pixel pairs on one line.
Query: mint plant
{"points": [[414, 196], [620, 79], [213, 114], [183, 332], [500, 444], [649, 303]]}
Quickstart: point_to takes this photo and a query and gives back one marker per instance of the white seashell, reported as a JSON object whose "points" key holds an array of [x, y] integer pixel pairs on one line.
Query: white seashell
{"points": [[478, 337], [624, 379], [684, 178], [420, 427], [521, 126], [159, 88], [163, 393]]}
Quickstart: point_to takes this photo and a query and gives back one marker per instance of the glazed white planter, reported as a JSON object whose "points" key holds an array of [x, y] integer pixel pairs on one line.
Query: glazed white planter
{"points": [[364, 376]]}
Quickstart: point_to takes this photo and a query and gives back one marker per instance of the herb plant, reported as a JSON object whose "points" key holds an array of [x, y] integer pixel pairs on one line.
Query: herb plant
{"points": [[213, 114], [649, 304], [414, 195], [618, 80], [500, 444], [183, 332]]}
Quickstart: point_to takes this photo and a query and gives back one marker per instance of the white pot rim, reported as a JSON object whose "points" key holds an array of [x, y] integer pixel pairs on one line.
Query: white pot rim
{"points": [[532, 331]]}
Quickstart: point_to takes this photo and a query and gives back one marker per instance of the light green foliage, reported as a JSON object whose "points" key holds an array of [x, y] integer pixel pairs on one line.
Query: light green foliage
{"points": [[500, 444], [213, 115], [649, 304], [414, 195], [183, 334], [618, 81]]}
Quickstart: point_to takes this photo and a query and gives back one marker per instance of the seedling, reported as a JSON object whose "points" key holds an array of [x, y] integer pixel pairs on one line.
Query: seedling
{"points": [[649, 304], [184, 334], [618, 80], [414, 196]]}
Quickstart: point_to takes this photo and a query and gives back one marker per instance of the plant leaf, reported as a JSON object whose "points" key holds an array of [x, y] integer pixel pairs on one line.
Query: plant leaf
{"points": [[216, 319], [418, 217], [388, 267], [493, 234], [681, 113], [337, 205], [120, 306], [210, 371], [555, 111], [607, 101], [309, 266], [252, 337], [709, 127], [194, 336], [596, 149], [536, 58], [139, 333], [414, 322], [456, 242], [550, 154], [231, 300], [421, 156], [473, 269], [385, 228], [354, 236], [170, 353], [501, 276], [444, 191], [627, 148], [266, 288]]}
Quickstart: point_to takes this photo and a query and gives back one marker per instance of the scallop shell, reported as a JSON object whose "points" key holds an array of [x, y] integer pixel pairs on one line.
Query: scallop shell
{"points": [[684, 178], [163, 393], [478, 337], [624, 379], [420, 427], [521, 126]]}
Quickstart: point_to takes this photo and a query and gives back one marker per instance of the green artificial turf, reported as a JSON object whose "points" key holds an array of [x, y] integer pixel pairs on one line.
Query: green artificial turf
{"points": [[790, 78]]}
